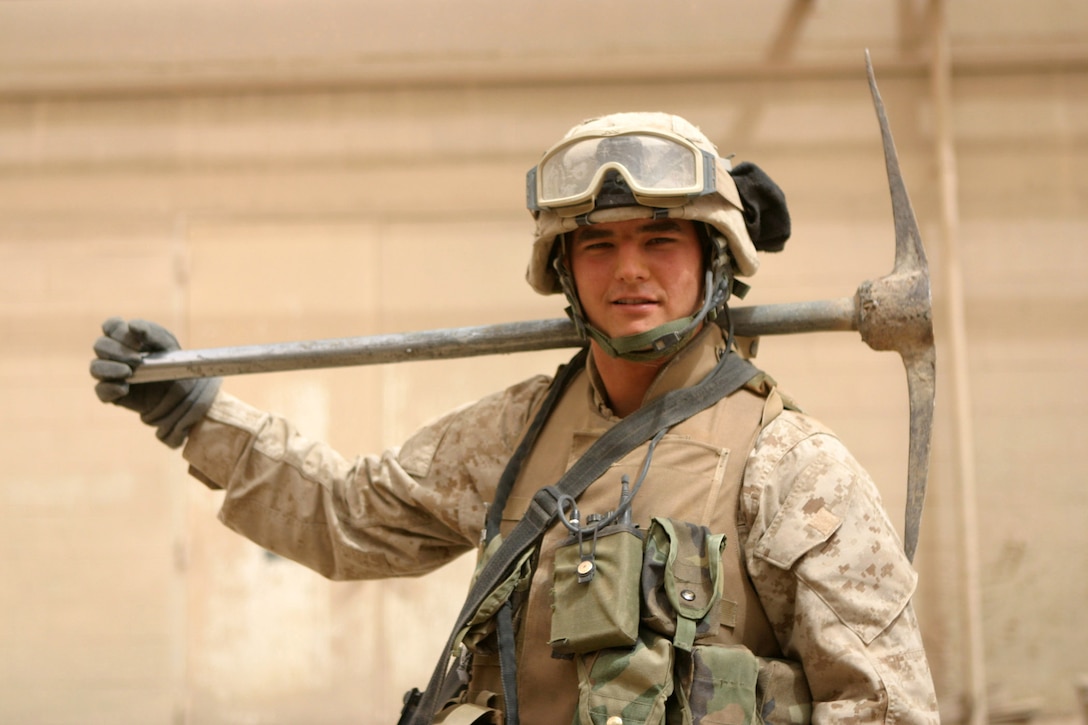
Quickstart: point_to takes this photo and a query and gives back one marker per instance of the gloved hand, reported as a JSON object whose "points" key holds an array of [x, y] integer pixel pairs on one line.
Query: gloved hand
{"points": [[173, 406]]}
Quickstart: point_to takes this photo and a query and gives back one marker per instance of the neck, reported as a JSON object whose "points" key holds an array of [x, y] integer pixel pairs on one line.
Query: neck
{"points": [[625, 381]]}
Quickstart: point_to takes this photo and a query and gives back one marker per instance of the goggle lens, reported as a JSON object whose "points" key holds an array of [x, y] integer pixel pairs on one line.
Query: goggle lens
{"points": [[653, 165]]}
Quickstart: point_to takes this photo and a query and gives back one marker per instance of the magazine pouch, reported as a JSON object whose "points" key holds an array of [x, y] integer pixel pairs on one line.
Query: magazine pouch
{"points": [[681, 581]]}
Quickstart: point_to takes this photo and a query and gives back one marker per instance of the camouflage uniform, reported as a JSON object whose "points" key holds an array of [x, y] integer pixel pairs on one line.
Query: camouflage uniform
{"points": [[818, 547]]}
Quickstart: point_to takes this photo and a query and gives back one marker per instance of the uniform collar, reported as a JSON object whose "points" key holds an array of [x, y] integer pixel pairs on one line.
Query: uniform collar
{"points": [[687, 367]]}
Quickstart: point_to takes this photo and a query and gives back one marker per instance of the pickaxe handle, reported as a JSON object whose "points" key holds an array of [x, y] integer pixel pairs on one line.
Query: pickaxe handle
{"points": [[751, 321]]}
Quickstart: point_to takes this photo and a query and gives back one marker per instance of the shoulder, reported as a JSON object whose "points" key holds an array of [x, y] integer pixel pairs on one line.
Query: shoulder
{"points": [[794, 438], [493, 423], [789, 443]]}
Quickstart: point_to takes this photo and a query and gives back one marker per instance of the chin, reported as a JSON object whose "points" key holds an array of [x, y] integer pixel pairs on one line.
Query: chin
{"points": [[627, 332]]}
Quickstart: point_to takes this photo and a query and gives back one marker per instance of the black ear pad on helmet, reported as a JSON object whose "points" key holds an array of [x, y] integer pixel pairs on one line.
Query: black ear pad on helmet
{"points": [[765, 212]]}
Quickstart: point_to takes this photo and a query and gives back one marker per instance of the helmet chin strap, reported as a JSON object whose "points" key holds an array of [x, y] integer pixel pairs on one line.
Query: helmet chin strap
{"points": [[650, 345]]}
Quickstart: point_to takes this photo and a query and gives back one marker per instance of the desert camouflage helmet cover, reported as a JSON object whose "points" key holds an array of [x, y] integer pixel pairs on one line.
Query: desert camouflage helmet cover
{"points": [[722, 209]]}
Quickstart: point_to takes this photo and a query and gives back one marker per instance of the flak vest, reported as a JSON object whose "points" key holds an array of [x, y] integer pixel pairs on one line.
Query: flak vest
{"points": [[695, 476]]}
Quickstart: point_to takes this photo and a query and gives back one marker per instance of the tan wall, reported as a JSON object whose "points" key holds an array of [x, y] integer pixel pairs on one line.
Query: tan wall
{"points": [[318, 170]]}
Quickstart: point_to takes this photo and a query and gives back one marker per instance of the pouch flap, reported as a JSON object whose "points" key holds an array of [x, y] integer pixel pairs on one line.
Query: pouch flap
{"points": [[681, 578]]}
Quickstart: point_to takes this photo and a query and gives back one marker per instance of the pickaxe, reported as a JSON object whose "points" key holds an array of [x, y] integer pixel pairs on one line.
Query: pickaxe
{"points": [[892, 313]]}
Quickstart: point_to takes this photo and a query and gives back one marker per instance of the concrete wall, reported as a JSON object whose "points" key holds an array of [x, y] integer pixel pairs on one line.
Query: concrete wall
{"points": [[258, 173]]}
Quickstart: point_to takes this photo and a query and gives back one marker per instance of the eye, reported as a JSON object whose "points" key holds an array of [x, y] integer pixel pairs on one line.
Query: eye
{"points": [[593, 245]]}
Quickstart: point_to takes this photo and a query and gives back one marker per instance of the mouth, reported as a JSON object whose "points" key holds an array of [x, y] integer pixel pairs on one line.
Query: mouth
{"points": [[634, 301], [635, 308]]}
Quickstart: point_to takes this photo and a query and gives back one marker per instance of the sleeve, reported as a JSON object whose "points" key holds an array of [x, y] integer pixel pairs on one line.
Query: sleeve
{"points": [[402, 513], [831, 574]]}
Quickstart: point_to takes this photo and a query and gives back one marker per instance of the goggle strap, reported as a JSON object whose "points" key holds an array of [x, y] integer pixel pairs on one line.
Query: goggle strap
{"points": [[583, 220]]}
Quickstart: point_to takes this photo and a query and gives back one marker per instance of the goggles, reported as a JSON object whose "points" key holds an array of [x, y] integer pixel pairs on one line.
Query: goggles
{"points": [[663, 170]]}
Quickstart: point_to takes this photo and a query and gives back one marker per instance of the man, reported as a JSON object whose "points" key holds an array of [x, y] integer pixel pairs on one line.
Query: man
{"points": [[728, 565]]}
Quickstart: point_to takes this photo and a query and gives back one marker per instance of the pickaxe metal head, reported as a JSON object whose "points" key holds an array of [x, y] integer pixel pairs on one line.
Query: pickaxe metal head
{"points": [[895, 313]]}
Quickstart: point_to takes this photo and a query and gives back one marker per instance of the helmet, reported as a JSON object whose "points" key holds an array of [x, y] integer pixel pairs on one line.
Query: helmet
{"points": [[630, 166], [719, 206]]}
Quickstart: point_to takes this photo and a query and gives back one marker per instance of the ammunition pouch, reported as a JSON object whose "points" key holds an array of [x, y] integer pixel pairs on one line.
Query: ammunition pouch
{"points": [[670, 674]]}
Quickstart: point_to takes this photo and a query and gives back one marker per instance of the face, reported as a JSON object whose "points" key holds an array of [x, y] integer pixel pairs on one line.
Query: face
{"points": [[632, 276]]}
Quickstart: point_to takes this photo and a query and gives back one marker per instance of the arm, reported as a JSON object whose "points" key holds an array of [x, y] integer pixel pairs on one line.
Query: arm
{"points": [[402, 513], [831, 574], [405, 512]]}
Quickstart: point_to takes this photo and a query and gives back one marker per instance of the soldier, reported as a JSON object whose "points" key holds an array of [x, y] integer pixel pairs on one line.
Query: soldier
{"points": [[735, 563]]}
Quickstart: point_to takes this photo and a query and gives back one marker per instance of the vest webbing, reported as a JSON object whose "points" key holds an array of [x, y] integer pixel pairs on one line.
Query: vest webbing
{"points": [[728, 376]]}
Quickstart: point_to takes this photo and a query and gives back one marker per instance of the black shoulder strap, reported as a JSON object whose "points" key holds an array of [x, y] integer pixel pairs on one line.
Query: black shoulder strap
{"points": [[728, 376], [562, 379]]}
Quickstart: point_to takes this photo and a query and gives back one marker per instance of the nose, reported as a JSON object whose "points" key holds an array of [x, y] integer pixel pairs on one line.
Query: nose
{"points": [[631, 263]]}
